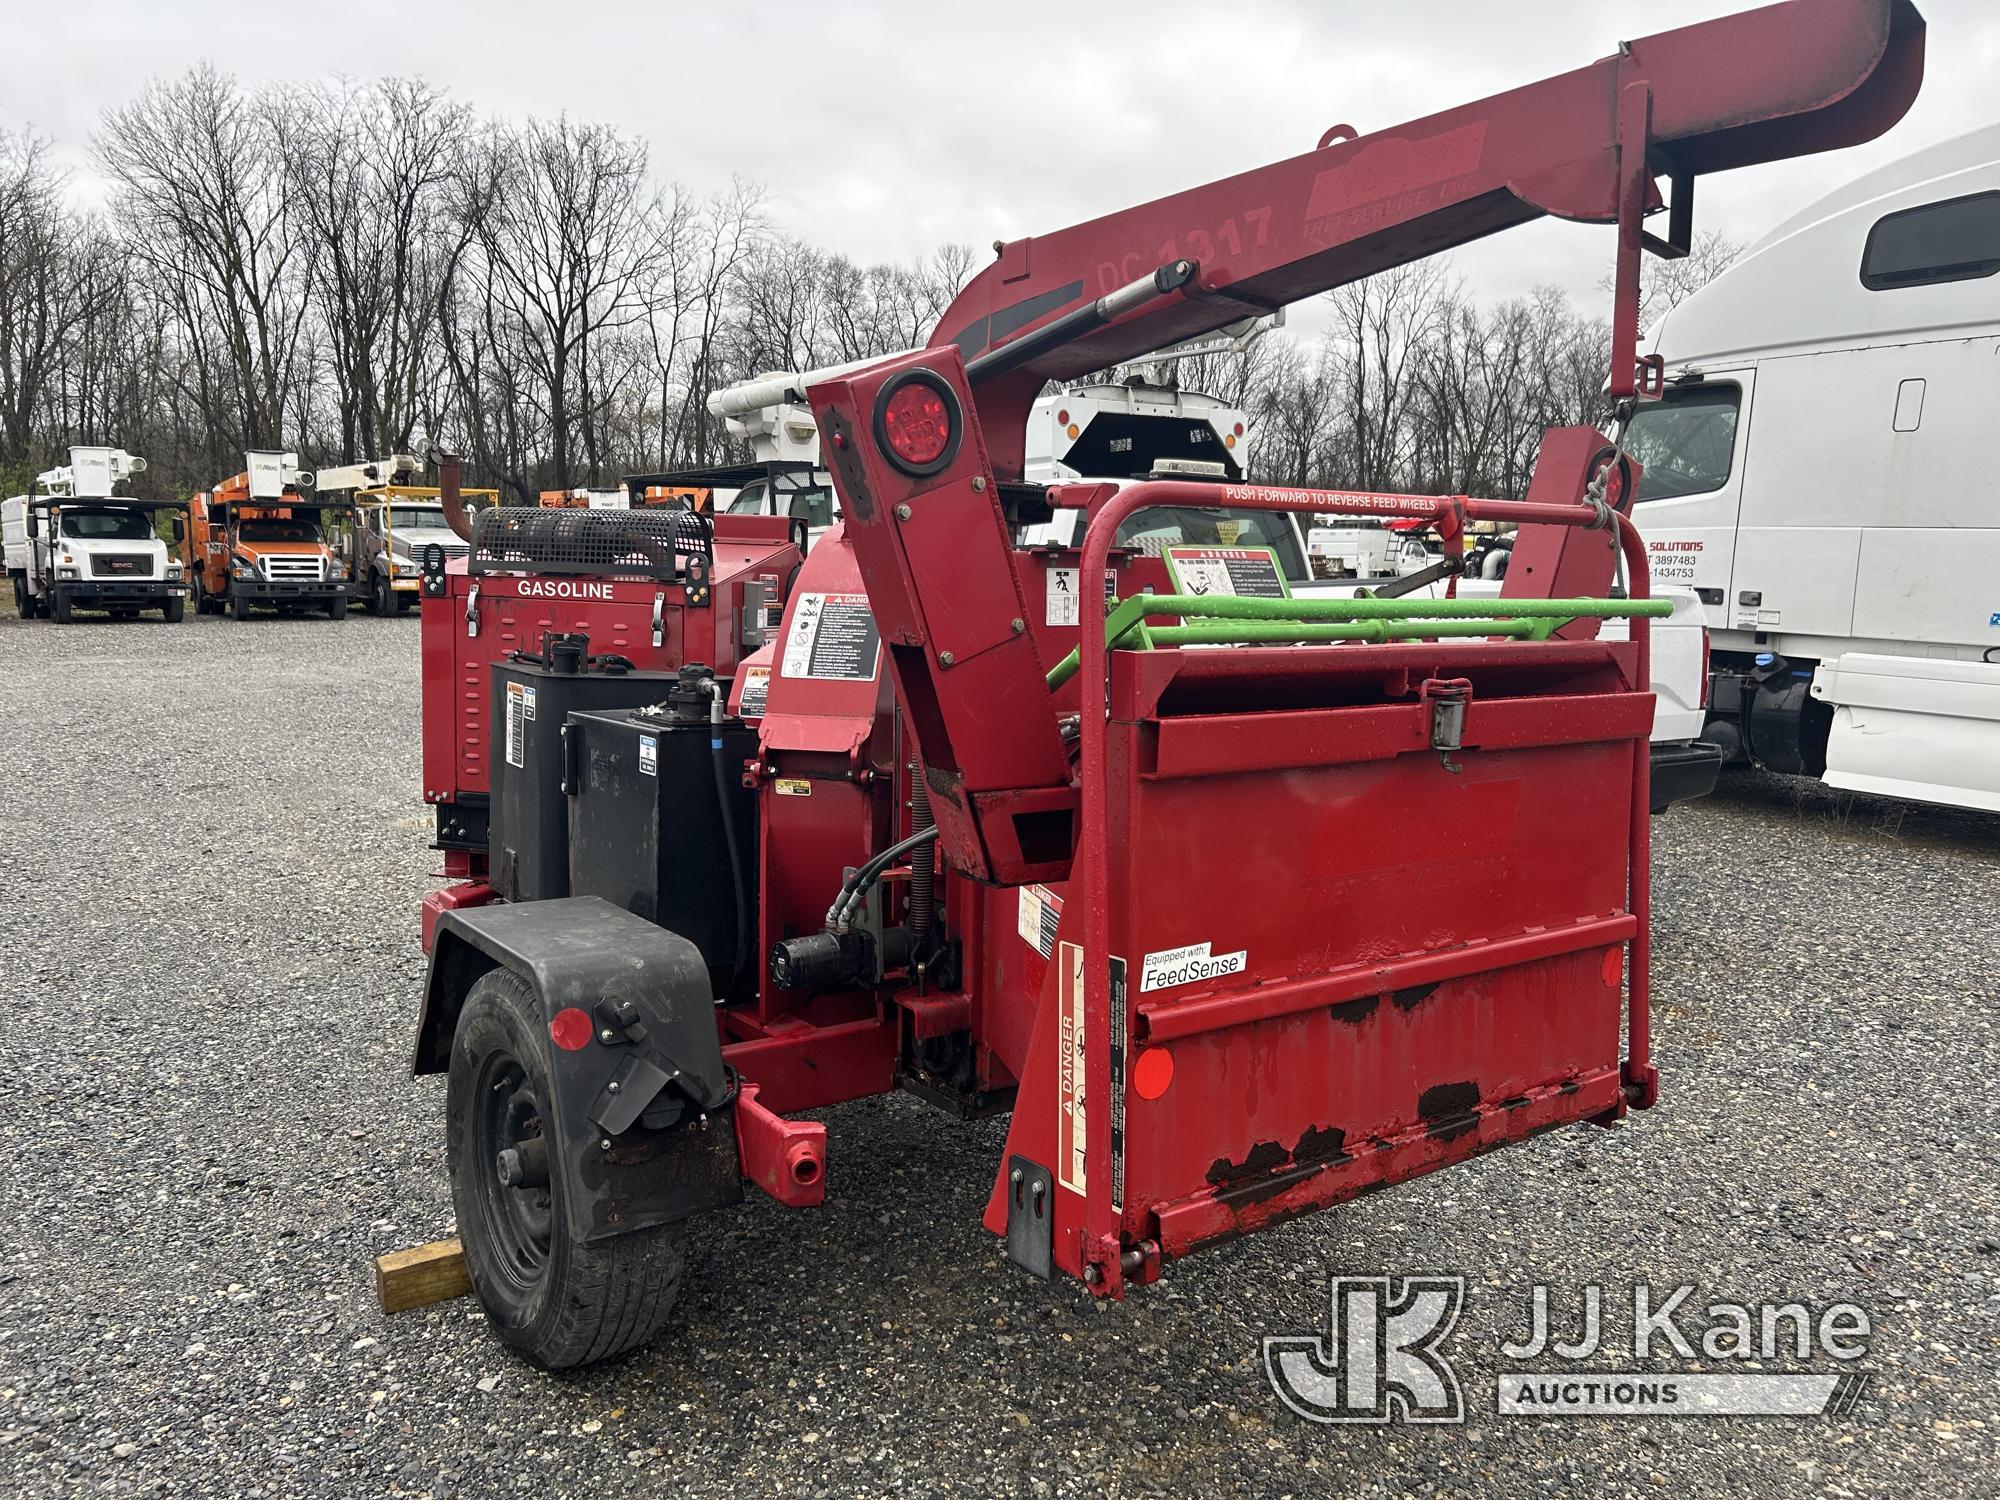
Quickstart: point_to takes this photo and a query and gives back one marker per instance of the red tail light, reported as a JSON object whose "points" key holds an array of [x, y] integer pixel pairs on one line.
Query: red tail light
{"points": [[917, 422]]}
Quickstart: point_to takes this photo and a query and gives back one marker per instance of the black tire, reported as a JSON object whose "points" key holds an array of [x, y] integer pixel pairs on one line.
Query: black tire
{"points": [[24, 602], [239, 605], [560, 1303], [379, 595], [60, 609], [174, 610], [336, 609], [403, 603]]}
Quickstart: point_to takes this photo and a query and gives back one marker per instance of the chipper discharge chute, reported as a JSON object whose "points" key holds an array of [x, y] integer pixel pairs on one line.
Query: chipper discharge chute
{"points": [[1242, 904]]}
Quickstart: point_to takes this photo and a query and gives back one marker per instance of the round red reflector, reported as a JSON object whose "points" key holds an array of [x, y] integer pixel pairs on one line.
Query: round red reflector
{"points": [[917, 424], [1062, 418], [1239, 429], [571, 1029], [1614, 966], [1153, 1071]]}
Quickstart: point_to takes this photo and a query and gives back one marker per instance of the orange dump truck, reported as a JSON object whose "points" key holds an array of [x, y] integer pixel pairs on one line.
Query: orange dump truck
{"points": [[259, 539]]}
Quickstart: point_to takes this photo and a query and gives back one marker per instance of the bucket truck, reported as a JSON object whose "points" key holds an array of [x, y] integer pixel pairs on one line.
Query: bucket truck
{"points": [[382, 541], [76, 543], [258, 538]]}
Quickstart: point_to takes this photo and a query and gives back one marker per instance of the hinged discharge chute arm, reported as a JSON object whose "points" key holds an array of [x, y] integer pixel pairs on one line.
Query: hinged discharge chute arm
{"points": [[1783, 81]]}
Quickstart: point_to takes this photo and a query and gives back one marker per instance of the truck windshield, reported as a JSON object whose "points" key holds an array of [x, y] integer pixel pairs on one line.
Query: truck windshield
{"points": [[749, 500], [257, 529], [1153, 531], [1686, 440], [414, 517], [107, 525]]}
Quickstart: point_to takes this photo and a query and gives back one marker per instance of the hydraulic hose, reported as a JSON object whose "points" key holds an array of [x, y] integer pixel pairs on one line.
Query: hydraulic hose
{"points": [[739, 884], [857, 884]]}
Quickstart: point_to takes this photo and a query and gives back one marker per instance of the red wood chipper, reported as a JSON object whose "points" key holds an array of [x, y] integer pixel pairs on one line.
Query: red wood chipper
{"points": [[1242, 904]]}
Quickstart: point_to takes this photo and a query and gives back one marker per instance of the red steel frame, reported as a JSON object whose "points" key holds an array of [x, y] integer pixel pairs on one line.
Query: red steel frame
{"points": [[1104, 1254]]}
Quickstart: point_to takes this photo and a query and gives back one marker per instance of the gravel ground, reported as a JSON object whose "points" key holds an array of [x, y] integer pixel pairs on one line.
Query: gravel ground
{"points": [[211, 861]]}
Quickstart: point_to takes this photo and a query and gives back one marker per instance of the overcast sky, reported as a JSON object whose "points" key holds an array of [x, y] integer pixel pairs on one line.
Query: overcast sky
{"points": [[884, 130]]}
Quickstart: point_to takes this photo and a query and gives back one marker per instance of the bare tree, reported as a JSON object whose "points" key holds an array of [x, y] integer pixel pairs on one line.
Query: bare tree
{"points": [[364, 168], [202, 194], [563, 249]]}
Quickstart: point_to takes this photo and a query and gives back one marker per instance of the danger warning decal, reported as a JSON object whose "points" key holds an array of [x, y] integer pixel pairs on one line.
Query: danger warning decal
{"points": [[1247, 572], [756, 692], [1069, 1087], [833, 636]]}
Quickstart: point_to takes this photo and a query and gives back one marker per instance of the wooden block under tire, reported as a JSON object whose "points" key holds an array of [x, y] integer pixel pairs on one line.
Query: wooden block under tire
{"points": [[416, 1278]]}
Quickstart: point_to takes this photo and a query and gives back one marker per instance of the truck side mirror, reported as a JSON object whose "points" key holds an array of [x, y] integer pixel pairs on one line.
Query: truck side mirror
{"points": [[177, 523]]}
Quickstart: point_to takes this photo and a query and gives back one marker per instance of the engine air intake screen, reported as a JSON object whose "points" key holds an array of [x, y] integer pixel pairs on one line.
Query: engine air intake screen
{"points": [[668, 545]]}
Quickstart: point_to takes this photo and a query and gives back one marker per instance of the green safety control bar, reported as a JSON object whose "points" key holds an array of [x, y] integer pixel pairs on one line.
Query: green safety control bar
{"points": [[1229, 620]]}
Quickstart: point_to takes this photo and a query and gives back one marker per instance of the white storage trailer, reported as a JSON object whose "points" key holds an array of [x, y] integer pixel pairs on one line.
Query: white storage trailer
{"points": [[1820, 474]]}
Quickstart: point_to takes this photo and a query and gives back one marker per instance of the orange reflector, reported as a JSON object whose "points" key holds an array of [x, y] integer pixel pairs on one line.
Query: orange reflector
{"points": [[1229, 440], [1614, 966], [1153, 1071], [1072, 430]]}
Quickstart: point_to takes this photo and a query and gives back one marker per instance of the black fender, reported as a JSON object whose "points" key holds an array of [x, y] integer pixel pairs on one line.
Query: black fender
{"points": [[634, 1059]]}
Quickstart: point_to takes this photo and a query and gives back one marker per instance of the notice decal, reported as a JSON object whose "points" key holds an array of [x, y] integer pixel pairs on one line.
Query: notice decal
{"points": [[649, 755], [1177, 966], [1039, 916], [520, 711]]}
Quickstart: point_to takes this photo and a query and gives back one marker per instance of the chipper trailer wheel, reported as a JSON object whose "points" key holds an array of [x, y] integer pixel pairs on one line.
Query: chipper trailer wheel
{"points": [[560, 1302]]}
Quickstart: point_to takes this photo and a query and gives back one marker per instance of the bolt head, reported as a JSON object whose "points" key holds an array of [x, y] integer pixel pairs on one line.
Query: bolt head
{"points": [[611, 1087], [1014, 1177], [606, 1034], [945, 658], [1019, 625], [978, 484], [902, 512], [605, 1144]]}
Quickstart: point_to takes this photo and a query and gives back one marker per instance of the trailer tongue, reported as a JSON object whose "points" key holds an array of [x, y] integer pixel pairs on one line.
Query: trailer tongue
{"points": [[1191, 886]]}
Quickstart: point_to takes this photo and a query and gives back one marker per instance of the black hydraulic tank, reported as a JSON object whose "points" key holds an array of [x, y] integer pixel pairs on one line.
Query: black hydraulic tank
{"points": [[649, 831], [529, 837]]}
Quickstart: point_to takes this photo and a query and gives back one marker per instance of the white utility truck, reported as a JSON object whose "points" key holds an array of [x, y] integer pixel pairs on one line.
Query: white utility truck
{"points": [[76, 543], [1819, 474]]}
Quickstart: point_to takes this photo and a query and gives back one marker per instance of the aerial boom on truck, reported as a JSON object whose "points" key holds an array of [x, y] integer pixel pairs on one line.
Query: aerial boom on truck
{"points": [[1185, 903], [77, 543]]}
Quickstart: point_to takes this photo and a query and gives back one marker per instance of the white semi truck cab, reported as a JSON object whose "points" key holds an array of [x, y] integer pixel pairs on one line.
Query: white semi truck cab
{"points": [[1819, 473], [76, 544]]}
